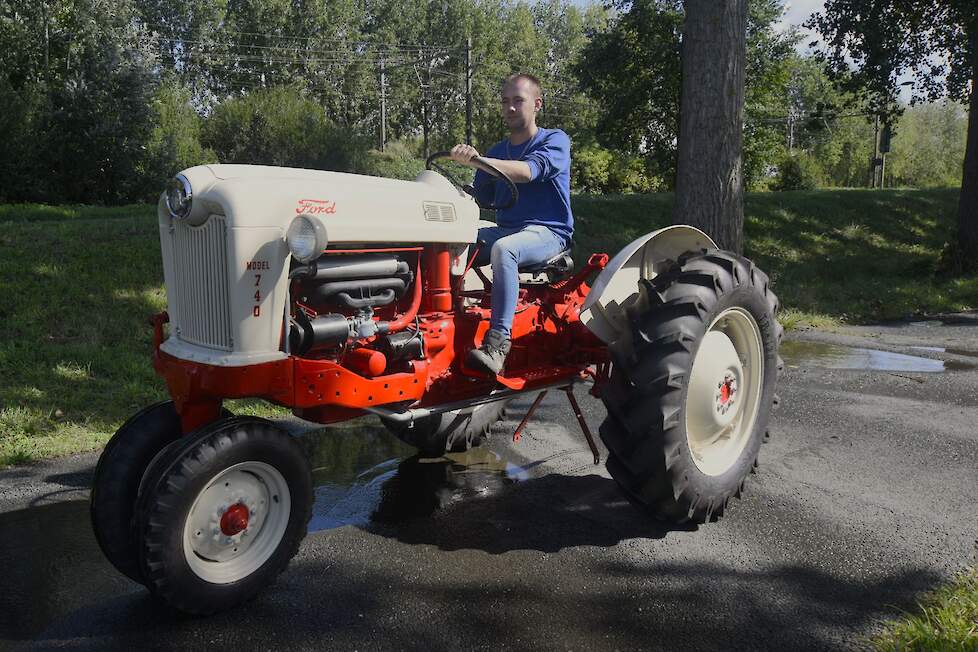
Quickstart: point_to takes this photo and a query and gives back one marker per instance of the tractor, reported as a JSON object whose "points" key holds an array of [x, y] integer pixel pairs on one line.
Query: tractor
{"points": [[340, 295]]}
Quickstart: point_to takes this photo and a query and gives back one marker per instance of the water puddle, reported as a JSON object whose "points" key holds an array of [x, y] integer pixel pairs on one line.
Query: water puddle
{"points": [[52, 566], [362, 475], [952, 351], [833, 356]]}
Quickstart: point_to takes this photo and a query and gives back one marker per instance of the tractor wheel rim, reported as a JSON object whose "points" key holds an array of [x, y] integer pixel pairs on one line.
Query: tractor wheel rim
{"points": [[724, 391], [237, 522]]}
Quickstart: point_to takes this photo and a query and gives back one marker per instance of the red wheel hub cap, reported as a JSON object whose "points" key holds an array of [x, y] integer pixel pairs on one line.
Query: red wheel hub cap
{"points": [[234, 520], [726, 390]]}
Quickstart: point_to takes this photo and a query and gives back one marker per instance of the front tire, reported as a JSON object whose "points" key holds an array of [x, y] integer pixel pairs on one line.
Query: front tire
{"points": [[223, 514], [117, 476], [692, 386]]}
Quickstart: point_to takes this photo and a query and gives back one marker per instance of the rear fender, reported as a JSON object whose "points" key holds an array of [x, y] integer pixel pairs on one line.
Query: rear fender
{"points": [[617, 285]]}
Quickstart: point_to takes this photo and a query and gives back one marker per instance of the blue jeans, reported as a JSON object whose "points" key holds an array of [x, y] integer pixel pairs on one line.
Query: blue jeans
{"points": [[507, 248]]}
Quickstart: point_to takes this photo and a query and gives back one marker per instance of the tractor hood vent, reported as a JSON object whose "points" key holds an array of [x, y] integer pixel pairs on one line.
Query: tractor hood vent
{"points": [[438, 212]]}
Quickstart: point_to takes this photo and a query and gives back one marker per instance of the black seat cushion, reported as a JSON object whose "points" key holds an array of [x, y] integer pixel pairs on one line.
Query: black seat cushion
{"points": [[560, 264]]}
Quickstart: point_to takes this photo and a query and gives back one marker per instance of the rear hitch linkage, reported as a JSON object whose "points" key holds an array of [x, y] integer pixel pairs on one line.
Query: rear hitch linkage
{"points": [[569, 391]]}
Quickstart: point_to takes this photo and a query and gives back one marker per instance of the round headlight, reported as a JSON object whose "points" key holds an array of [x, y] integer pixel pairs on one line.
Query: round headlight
{"points": [[179, 197], [306, 238]]}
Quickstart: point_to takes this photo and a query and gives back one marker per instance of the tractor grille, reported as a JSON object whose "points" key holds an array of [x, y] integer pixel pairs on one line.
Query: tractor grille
{"points": [[200, 265]]}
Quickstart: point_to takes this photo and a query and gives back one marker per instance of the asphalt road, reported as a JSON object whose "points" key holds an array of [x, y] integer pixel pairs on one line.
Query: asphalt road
{"points": [[866, 496]]}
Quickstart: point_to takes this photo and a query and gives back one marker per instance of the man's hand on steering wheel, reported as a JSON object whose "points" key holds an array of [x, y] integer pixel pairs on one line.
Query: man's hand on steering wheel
{"points": [[469, 156], [464, 154]]}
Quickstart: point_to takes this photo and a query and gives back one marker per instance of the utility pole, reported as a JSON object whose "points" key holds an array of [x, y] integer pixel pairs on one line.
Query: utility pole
{"points": [[468, 90], [47, 41], [876, 152], [884, 148], [383, 106], [791, 130]]}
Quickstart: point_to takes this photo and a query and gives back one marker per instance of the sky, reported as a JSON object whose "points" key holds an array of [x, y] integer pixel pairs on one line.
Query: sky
{"points": [[796, 13]]}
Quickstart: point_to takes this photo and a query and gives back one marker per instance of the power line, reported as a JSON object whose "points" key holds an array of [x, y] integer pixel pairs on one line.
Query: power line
{"points": [[365, 43]]}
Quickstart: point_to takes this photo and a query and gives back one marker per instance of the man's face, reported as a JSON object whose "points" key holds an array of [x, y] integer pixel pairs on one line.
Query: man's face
{"points": [[520, 102]]}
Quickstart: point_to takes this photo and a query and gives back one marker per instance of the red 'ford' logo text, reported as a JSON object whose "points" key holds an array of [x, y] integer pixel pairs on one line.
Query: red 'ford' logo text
{"points": [[316, 206]]}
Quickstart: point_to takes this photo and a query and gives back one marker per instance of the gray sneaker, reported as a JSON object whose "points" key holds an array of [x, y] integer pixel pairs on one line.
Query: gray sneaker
{"points": [[491, 355]]}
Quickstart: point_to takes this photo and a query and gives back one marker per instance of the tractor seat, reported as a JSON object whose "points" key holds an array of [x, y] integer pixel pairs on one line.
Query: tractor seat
{"points": [[560, 264], [550, 271]]}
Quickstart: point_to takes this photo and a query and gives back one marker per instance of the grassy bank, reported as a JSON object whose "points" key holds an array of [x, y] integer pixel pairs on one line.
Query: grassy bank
{"points": [[834, 255], [79, 283]]}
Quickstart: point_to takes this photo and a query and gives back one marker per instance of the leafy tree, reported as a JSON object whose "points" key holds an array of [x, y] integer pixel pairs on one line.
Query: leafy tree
{"points": [[83, 73], [770, 54], [827, 124], [934, 40], [633, 71], [928, 146]]}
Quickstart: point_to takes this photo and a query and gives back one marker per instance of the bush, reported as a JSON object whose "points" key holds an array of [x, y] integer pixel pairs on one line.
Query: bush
{"points": [[174, 144], [798, 172], [590, 169], [397, 161], [25, 110], [598, 170], [280, 127]]}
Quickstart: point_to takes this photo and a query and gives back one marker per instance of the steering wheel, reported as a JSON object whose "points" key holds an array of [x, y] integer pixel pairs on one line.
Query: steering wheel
{"points": [[467, 188]]}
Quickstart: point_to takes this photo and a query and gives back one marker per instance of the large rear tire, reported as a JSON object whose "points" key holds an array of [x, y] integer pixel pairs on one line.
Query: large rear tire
{"points": [[455, 432], [692, 386], [117, 475], [221, 514]]}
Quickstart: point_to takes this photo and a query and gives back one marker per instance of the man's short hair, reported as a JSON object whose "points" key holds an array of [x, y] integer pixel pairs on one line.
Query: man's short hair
{"points": [[528, 77]]}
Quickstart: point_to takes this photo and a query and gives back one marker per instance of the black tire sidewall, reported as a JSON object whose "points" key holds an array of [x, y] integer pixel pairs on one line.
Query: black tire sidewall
{"points": [[647, 395], [164, 512], [118, 474]]}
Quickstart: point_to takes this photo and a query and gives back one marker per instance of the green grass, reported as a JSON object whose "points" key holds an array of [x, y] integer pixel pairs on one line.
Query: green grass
{"points": [[79, 283], [947, 619], [834, 255]]}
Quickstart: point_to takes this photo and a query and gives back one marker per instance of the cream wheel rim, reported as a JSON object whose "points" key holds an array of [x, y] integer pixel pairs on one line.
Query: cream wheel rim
{"points": [[724, 391], [237, 522]]}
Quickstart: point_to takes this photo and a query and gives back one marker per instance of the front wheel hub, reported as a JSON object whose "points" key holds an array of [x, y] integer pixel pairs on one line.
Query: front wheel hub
{"points": [[237, 522], [234, 520]]}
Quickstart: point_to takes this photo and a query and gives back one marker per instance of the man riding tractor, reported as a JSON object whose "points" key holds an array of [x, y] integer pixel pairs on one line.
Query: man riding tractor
{"points": [[539, 226], [340, 296]]}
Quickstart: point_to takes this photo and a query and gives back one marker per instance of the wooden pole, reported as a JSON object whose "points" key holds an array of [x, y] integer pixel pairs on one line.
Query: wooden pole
{"points": [[383, 106], [468, 91]]}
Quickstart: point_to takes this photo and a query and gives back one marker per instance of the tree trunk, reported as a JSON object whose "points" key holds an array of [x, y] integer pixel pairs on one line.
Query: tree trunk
{"points": [[709, 177], [968, 202]]}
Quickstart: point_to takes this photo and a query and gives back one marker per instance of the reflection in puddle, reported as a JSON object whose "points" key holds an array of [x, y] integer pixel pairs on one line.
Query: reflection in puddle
{"points": [[51, 565], [832, 356], [362, 475]]}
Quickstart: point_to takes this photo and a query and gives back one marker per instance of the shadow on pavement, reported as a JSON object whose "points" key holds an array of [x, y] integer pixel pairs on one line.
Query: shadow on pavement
{"points": [[455, 552], [350, 605], [456, 507]]}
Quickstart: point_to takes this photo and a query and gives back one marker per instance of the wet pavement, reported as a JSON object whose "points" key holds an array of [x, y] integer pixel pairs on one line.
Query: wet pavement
{"points": [[866, 496]]}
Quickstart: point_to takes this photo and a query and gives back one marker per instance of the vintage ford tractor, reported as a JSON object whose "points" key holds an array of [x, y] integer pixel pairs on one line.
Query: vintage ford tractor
{"points": [[339, 295]]}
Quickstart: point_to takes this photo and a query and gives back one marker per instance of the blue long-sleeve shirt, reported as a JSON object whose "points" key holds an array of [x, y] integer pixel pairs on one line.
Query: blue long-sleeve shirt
{"points": [[545, 198]]}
